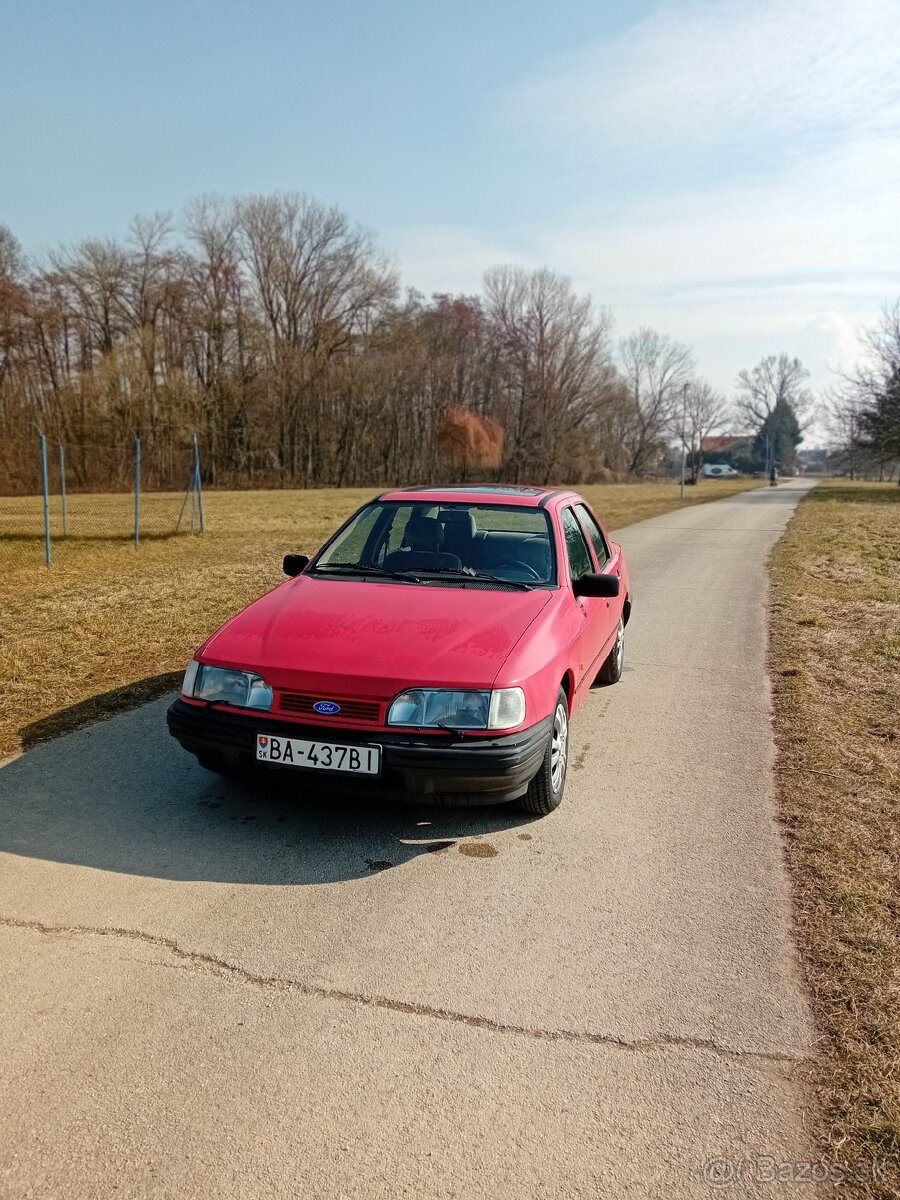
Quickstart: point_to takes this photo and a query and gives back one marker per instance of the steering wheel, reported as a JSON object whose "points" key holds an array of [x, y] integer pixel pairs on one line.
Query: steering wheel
{"points": [[517, 572]]}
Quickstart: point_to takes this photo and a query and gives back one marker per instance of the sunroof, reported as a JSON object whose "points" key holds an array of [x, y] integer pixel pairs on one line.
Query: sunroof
{"points": [[487, 489]]}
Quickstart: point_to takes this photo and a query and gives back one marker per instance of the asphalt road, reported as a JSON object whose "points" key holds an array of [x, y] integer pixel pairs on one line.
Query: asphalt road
{"points": [[211, 992]]}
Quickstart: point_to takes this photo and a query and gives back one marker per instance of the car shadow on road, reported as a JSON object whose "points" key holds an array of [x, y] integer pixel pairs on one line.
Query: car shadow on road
{"points": [[99, 708], [122, 796]]}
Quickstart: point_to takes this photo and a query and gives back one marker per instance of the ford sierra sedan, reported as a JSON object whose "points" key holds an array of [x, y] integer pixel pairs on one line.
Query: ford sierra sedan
{"points": [[438, 644]]}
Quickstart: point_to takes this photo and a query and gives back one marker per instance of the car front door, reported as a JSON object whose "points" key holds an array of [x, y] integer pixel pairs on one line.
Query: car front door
{"points": [[593, 621], [608, 557]]}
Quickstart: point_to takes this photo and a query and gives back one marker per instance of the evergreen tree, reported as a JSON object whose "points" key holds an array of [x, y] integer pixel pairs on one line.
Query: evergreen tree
{"points": [[879, 422], [780, 435]]}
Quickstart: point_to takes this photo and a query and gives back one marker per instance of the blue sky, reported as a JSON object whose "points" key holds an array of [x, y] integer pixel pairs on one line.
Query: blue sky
{"points": [[726, 170]]}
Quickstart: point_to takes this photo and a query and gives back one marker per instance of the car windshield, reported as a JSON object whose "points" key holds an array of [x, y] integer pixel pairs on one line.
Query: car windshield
{"points": [[444, 542]]}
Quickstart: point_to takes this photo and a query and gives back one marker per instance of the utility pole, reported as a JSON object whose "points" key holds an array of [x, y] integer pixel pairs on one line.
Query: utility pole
{"points": [[62, 488], [137, 490], [46, 490], [684, 392], [198, 486]]}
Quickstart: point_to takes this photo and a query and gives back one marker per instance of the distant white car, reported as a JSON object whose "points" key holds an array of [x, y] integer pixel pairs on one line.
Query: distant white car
{"points": [[718, 471]]}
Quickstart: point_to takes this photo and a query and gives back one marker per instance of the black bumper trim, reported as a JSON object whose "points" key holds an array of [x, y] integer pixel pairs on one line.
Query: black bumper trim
{"points": [[472, 770]]}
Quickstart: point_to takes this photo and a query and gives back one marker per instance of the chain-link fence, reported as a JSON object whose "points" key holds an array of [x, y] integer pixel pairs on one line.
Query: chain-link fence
{"points": [[65, 501]]}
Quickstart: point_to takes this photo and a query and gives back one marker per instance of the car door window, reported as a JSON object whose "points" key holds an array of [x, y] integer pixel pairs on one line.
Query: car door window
{"points": [[592, 529], [576, 547]]}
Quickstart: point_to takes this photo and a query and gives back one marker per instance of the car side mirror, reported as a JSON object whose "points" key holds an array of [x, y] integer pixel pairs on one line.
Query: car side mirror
{"points": [[294, 563], [596, 584]]}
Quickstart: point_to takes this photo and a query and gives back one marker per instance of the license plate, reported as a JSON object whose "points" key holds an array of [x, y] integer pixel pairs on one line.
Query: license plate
{"points": [[318, 756]]}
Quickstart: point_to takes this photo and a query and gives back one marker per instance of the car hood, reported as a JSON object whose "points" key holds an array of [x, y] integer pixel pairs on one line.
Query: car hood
{"points": [[375, 639]]}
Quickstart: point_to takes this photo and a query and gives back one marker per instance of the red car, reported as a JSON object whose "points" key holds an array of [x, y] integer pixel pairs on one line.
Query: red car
{"points": [[438, 644]]}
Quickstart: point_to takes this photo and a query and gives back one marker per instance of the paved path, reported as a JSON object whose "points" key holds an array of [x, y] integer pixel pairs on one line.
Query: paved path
{"points": [[209, 993]]}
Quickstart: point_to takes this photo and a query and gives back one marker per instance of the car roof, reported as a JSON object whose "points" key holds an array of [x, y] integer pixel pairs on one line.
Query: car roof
{"points": [[481, 493]]}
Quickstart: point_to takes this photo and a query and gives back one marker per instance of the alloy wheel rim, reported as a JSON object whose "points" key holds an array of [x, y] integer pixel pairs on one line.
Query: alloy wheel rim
{"points": [[559, 746], [620, 644]]}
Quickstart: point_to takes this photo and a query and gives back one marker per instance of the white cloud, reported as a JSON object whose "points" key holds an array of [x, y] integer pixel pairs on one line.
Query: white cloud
{"points": [[441, 258], [738, 173], [829, 224], [704, 72], [734, 271]]}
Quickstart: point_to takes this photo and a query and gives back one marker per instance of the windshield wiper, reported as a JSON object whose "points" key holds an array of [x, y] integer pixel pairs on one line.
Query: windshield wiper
{"points": [[460, 733], [467, 573], [361, 569]]}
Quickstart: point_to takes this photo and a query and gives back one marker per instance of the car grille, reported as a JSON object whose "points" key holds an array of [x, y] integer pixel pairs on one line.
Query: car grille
{"points": [[351, 710]]}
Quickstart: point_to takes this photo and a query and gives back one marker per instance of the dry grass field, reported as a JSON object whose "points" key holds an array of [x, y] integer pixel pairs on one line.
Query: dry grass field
{"points": [[835, 655], [111, 624]]}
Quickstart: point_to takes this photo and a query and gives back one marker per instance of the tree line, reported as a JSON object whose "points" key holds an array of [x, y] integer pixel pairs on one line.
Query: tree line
{"points": [[864, 405], [276, 329]]}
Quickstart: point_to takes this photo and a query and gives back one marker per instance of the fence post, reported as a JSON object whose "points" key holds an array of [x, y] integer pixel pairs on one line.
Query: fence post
{"points": [[62, 488], [137, 490], [197, 484], [47, 555], [188, 491]]}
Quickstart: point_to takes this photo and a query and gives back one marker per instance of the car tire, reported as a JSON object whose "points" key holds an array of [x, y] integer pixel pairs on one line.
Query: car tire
{"points": [[611, 671], [545, 792]]}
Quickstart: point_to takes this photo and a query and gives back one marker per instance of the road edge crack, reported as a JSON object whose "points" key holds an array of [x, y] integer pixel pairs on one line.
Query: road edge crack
{"points": [[209, 963]]}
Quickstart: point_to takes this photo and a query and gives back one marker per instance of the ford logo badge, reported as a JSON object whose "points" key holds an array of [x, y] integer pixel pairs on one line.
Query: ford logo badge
{"points": [[326, 707]]}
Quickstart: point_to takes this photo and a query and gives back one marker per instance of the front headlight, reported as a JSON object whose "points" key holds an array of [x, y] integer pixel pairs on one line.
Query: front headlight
{"points": [[433, 707], [242, 689]]}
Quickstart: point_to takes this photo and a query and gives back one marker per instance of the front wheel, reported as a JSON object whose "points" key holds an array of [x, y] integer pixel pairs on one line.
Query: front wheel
{"points": [[611, 671], [546, 789]]}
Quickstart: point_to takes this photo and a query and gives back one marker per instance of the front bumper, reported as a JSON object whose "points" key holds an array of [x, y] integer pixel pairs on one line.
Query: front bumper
{"points": [[472, 770]]}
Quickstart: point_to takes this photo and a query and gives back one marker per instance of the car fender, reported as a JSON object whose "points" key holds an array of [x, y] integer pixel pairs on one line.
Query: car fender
{"points": [[543, 658]]}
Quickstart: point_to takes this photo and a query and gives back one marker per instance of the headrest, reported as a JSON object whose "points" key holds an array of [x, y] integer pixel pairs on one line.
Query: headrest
{"points": [[461, 521], [423, 533]]}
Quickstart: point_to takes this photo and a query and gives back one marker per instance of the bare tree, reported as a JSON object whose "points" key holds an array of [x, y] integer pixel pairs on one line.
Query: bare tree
{"points": [[870, 394], [554, 351], [842, 407], [13, 301], [775, 379], [12, 258], [91, 278], [705, 410], [656, 369], [317, 281], [879, 360], [316, 276]]}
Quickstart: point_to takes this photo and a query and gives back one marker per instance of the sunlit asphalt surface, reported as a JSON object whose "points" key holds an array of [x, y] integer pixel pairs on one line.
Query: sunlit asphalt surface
{"points": [[212, 990]]}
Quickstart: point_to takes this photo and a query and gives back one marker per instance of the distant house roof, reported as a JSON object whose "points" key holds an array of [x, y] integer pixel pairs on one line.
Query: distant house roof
{"points": [[717, 445]]}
